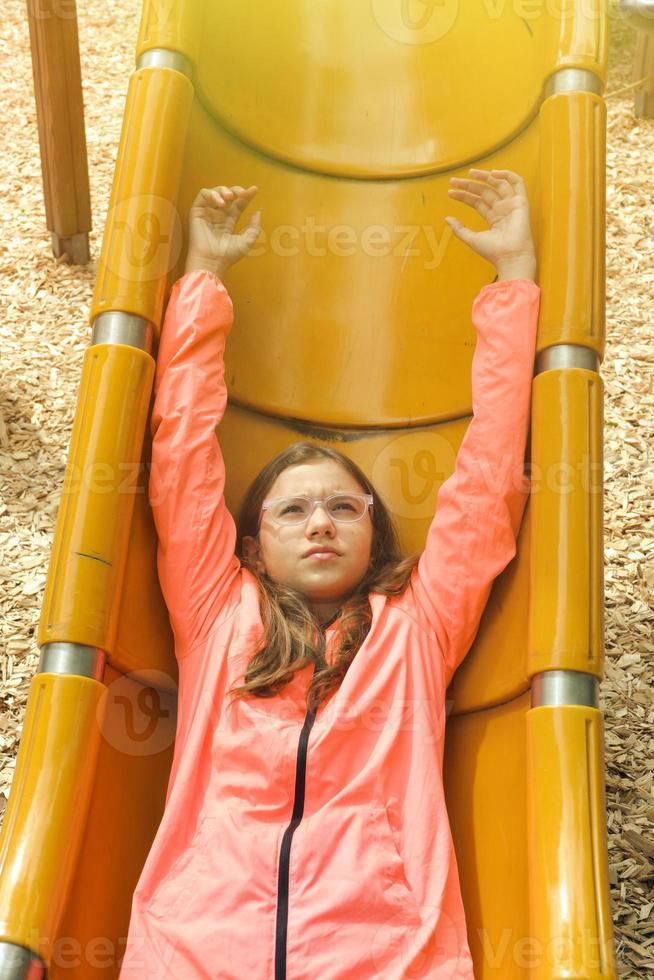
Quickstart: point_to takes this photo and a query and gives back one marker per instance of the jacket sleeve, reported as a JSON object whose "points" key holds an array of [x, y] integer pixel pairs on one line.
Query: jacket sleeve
{"points": [[196, 557], [479, 508]]}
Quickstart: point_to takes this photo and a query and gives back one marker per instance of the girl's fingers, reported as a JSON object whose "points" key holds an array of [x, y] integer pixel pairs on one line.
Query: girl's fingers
{"points": [[253, 228], [506, 182], [461, 231], [206, 197], [488, 194], [222, 196], [238, 206], [226, 191], [512, 177], [498, 184], [473, 200]]}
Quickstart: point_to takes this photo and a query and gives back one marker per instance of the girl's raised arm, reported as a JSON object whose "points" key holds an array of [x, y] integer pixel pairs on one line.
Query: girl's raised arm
{"points": [[196, 556], [472, 537]]}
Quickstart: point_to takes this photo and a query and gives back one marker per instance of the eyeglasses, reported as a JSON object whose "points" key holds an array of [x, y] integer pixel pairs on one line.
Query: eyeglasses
{"points": [[346, 507]]}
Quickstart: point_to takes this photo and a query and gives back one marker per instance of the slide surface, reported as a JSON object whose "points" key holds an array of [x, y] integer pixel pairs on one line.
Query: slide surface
{"points": [[352, 329]]}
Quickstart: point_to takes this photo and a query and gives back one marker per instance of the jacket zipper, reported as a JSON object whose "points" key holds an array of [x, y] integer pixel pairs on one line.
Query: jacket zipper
{"points": [[285, 850], [281, 927]]}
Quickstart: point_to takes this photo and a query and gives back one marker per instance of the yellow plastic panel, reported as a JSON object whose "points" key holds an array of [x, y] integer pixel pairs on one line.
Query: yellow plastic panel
{"points": [[355, 309], [86, 570], [375, 89], [133, 767], [407, 467], [172, 24], [496, 666], [485, 786], [567, 575], [47, 808], [570, 911], [143, 239], [571, 247], [144, 639]]}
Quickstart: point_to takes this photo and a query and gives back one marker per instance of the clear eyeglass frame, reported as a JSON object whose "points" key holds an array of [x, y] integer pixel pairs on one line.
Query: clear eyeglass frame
{"points": [[314, 501]]}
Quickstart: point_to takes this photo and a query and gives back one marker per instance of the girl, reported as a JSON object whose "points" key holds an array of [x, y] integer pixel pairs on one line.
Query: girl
{"points": [[305, 833]]}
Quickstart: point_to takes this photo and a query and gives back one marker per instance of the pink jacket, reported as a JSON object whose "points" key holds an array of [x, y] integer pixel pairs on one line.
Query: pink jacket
{"points": [[317, 847]]}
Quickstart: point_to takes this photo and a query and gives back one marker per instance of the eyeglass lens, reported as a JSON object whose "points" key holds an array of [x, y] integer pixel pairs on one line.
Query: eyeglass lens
{"points": [[340, 507]]}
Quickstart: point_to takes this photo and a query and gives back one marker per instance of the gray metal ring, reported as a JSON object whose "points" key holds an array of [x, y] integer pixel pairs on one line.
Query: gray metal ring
{"points": [[19, 963], [165, 58], [564, 687], [115, 327], [566, 356], [72, 658], [573, 80]]}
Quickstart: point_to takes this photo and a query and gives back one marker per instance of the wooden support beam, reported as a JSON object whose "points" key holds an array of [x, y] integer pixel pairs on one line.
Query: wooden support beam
{"points": [[60, 115]]}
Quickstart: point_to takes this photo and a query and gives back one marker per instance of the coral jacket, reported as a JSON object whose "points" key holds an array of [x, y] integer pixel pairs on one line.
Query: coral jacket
{"points": [[297, 846]]}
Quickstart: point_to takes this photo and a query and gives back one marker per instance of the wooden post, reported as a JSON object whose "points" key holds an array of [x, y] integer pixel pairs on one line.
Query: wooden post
{"points": [[644, 67], [60, 116]]}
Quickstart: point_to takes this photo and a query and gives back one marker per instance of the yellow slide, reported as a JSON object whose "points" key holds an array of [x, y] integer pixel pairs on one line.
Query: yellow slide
{"points": [[353, 329]]}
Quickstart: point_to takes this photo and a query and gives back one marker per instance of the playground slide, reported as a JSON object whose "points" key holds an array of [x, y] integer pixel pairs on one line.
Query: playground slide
{"points": [[353, 329]]}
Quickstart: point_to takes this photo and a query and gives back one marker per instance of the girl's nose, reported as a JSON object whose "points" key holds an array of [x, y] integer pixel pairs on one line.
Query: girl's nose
{"points": [[319, 519]]}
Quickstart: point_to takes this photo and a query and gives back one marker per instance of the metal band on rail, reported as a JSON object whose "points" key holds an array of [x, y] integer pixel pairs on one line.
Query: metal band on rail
{"points": [[573, 80], [18, 963], [115, 327], [553, 687], [72, 658], [566, 356], [165, 58]]}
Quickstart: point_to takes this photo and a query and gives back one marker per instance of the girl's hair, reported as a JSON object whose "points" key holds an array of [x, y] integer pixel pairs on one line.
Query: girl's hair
{"points": [[292, 638]]}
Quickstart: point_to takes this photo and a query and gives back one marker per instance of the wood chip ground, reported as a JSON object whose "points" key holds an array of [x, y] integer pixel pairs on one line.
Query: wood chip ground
{"points": [[44, 333]]}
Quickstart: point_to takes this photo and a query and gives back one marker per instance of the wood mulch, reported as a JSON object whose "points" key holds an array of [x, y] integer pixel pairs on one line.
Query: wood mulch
{"points": [[44, 333]]}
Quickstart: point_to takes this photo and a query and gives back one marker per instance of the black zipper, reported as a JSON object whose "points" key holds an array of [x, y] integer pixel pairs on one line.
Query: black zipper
{"points": [[281, 927]]}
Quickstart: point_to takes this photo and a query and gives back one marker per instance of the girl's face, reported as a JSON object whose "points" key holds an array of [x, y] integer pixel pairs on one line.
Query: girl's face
{"points": [[282, 551]]}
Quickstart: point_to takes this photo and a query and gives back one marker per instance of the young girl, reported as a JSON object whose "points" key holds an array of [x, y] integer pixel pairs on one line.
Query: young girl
{"points": [[305, 833]]}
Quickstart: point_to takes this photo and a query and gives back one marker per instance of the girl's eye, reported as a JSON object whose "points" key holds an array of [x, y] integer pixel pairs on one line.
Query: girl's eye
{"points": [[345, 504], [289, 508]]}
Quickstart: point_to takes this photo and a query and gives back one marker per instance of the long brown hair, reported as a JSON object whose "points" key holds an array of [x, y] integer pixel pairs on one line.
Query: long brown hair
{"points": [[292, 638]]}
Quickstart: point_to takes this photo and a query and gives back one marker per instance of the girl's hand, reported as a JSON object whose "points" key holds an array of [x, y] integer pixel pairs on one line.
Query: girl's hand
{"points": [[500, 197], [212, 243]]}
